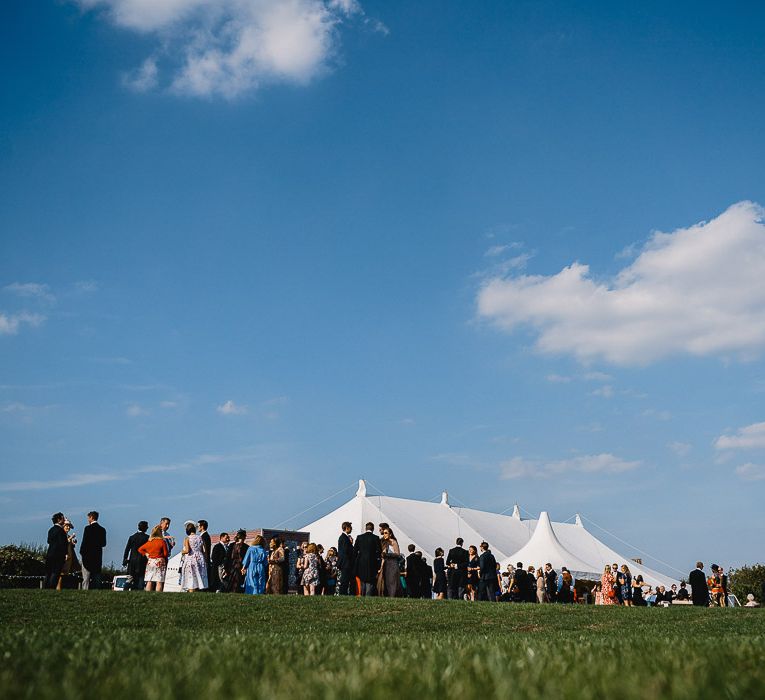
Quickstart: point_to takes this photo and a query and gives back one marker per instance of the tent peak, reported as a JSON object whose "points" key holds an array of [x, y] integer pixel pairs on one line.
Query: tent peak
{"points": [[516, 512], [578, 520], [362, 488], [444, 498]]}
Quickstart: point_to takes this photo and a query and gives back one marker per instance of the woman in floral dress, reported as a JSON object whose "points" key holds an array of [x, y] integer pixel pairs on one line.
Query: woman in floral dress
{"points": [[607, 592], [311, 574], [193, 566]]}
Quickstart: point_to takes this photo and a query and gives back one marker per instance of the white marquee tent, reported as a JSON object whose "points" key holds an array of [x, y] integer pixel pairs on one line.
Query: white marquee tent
{"points": [[429, 525]]}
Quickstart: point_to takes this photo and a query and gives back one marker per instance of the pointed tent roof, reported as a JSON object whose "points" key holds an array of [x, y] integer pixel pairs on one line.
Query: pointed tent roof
{"points": [[544, 546]]}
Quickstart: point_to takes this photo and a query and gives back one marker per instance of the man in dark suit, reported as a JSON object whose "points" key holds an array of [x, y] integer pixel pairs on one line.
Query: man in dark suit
{"points": [[487, 574], [426, 578], [456, 564], [217, 558], [699, 589], [551, 582], [413, 573], [92, 552], [57, 548], [519, 585], [367, 557], [133, 559], [345, 559], [206, 548]]}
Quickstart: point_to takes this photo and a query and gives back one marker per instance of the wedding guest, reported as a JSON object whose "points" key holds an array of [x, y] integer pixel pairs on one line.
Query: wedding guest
{"points": [[638, 601], [551, 583], [331, 566], [699, 587], [682, 594], [216, 574], [541, 591], [456, 568], [155, 549], [193, 567], [206, 547], [255, 567], [164, 524], [426, 581], [413, 573], [300, 564], [607, 588], [57, 549], [92, 552], [275, 584], [367, 558], [311, 575], [566, 584], [345, 559], [487, 574], [472, 572], [71, 563], [439, 574], [389, 576], [133, 559], [625, 582], [234, 561]]}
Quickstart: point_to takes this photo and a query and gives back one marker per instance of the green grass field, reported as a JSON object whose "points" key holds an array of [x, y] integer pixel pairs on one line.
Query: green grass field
{"points": [[134, 645]]}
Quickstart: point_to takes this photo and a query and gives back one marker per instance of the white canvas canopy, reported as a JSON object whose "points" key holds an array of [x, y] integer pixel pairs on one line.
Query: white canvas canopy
{"points": [[428, 525]]}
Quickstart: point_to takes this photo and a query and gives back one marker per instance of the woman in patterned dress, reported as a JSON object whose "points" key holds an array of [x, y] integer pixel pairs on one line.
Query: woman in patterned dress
{"points": [[311, 574], [193, 566], [625, 579], [607, 592], [275, 583]]}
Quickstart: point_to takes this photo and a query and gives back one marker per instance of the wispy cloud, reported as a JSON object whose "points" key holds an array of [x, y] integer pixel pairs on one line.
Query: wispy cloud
{"points": [[229, 408], [747, 438], [681, 449], [604, 463], [10, 324], [751, 472], [68, 482], [135, 410], [605, 392], [31, 290], [695, 291]]}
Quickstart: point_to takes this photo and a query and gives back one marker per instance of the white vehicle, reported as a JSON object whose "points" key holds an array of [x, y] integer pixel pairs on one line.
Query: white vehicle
{"points": [[119, 583]]}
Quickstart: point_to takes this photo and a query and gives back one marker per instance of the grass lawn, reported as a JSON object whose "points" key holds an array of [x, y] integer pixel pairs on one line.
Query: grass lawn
{"points": [[99, 644]]}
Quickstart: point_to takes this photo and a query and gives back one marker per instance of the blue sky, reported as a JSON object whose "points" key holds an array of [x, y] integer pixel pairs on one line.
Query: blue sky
{"points": [[253, 251]]}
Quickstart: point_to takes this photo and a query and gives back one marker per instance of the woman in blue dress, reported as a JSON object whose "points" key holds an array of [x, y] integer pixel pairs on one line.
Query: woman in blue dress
{"points": [[255, 567]]}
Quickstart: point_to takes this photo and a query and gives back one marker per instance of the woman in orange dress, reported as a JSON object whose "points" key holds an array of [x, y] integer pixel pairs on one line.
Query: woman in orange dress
{"points": [[607, 592], [156, 567]]}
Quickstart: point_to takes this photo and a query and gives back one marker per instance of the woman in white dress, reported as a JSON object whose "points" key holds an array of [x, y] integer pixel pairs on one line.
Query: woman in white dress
{"points": [[193, 567]]}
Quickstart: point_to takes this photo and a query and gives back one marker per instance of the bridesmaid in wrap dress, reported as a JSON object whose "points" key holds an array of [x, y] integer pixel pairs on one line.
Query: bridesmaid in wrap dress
{"points": [[389, 581], [255, 567]]}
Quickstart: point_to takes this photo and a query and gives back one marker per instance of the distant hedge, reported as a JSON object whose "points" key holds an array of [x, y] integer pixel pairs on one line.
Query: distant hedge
{"points": [[747, 579]]}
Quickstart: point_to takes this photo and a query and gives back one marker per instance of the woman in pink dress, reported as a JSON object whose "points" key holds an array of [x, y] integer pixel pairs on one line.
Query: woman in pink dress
{"points": [[607, 592]]}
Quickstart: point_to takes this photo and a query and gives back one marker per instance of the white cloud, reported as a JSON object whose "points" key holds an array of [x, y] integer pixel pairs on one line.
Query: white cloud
{"points": [[697, 291], [597, 377], [168, 404], [496, 250], [681, 449], [659, 415], [746, 438], [606, 391], [558, 379], [31, 290], [751, 472], [86, 286], [11, 323], [604, 463], [144, 78], [231, 409], [231, 47], [135, 410]]}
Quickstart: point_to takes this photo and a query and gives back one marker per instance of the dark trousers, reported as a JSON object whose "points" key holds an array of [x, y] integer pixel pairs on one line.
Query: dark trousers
{"points": [[486, 589], [413, 588], [52, 572], [345, 582], [455, 592]]}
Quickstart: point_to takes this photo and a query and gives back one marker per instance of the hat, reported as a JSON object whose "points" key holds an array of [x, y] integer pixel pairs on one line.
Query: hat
{"points": [[189, 522]]}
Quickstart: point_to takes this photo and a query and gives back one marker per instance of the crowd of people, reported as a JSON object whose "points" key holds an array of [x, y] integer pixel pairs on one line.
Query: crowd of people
{"points": [[370, 564]]}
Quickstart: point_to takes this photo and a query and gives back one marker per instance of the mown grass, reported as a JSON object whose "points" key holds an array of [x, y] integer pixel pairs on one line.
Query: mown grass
{"points": [[76, 644]]}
